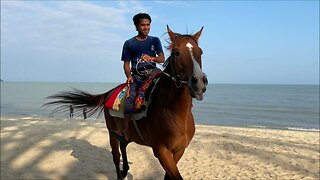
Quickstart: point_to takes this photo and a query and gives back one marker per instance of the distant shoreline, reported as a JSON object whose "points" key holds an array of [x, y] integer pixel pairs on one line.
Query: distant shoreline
{"points": [[280, 84]]}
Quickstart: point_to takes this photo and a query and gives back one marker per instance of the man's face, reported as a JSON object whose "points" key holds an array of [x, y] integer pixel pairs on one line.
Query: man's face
{"points": [[143, 27]]}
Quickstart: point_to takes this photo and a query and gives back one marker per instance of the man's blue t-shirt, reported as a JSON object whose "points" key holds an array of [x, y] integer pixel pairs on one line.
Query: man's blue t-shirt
{"points": [[133, 50]]}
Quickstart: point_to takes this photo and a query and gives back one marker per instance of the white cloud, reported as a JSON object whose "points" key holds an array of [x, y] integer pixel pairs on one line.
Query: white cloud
{"points": [[64, 31], [61, 21], [133, 7]]}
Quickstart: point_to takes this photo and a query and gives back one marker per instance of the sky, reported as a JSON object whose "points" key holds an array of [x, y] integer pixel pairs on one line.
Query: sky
{"points": [[243, 42]]}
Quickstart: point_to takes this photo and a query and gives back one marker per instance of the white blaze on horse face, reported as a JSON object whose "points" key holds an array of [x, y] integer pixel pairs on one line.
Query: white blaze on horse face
{"points": [[188, 45], [197, 74], [196, 66]]}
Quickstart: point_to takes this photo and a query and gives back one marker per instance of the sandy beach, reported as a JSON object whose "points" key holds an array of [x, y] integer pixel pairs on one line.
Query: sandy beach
{"points": [[57, 148]]}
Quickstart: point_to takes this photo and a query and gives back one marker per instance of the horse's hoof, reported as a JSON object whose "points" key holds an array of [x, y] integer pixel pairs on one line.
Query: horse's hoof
{"points": [[124, 173]]}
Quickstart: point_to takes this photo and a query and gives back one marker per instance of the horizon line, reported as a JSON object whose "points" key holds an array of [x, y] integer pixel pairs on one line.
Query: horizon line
{"points": [[217, 83]]}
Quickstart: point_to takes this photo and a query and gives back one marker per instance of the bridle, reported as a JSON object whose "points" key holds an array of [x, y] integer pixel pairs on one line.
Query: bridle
{"points": [[175, 77]]}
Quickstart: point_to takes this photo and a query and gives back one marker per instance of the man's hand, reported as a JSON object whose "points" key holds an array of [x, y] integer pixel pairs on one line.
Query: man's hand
{"points": [[129, 80], [148, 58]]}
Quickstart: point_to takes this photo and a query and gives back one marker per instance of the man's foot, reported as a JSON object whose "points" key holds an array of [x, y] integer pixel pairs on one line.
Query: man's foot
{"points": [[120, 136]]}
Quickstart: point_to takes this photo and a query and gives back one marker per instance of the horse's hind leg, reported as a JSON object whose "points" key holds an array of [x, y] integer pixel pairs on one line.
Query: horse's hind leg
{"points": [[114, 143], [125, 166]]}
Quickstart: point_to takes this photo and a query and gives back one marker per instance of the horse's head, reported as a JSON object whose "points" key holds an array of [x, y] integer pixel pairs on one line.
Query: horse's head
{"points": [[186, 62]]}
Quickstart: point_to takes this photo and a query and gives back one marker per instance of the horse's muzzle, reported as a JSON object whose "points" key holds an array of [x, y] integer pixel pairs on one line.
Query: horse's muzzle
{"points": [[198, 86]]}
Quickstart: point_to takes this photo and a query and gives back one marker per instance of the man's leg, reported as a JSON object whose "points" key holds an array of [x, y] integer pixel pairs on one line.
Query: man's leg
{"points": [[122, 135], [128, 106], [128, 111]]}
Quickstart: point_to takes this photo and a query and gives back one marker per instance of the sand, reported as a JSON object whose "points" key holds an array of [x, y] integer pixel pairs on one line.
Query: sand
{"points": [[57, 148]]}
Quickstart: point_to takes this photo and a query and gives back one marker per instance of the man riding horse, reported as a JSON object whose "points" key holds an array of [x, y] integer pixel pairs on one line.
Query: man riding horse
{"points": [[143, 52], [169, 125]]}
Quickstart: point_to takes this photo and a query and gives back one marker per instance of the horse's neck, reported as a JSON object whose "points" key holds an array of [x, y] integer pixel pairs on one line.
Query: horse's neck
{"points": [[172, 97], [176, 97], [175, 103]]}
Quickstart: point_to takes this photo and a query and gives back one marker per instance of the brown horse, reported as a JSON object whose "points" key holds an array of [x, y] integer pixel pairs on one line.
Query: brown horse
{"points": [[169, 125]]}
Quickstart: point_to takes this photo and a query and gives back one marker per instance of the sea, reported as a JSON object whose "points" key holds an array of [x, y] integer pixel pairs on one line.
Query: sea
{"points": [[290, 107]]}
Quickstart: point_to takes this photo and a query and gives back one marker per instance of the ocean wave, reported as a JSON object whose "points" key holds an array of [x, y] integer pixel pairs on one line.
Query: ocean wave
{"points": [[303, 129]]}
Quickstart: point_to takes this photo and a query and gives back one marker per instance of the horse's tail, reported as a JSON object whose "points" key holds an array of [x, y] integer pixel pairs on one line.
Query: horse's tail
{"points": [[79, 100]]}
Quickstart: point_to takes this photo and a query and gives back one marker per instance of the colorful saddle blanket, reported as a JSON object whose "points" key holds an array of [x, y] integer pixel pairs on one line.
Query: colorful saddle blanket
{"points": [[116, 100]]}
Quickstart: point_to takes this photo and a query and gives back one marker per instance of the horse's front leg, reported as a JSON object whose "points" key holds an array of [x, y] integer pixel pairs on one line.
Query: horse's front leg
{"points": [[176, 156], [168, 163], [125, 166]]}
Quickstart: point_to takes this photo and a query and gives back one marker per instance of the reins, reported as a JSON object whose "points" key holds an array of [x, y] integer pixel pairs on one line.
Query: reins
{"points": [[175, 78]]}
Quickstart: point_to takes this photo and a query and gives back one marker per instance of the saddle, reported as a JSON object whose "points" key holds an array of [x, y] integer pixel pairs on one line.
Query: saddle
{"points": [[115, 103]]}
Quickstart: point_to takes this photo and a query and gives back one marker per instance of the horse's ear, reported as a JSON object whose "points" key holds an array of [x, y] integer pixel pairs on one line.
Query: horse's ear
{"points": [[197, 35], [171, 34]]}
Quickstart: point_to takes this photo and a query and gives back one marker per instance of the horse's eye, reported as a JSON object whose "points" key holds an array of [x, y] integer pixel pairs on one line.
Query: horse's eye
{"points": [[176, 53]]}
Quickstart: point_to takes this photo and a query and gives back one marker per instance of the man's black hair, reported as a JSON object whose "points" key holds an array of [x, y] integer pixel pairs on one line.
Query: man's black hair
{"points": [[137, 17]]}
